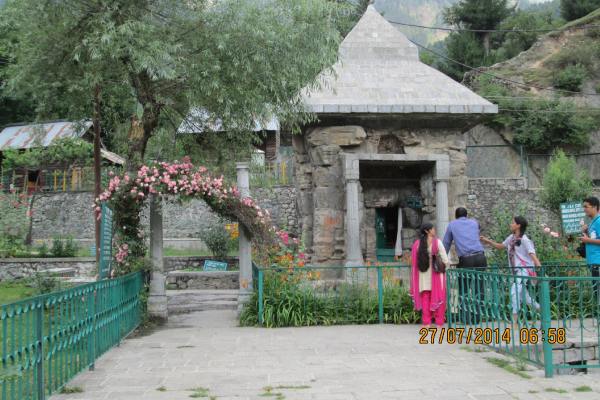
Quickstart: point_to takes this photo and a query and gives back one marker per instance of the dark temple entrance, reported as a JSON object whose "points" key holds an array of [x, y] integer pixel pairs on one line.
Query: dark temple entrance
{"points": [[386, 231]]}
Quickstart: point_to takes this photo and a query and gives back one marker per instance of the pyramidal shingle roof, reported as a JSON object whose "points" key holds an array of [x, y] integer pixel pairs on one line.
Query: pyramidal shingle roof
{"points": [[379, 72]]}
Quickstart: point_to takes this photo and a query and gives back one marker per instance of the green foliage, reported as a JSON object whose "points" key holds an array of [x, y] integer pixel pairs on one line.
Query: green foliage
{"points": [[45, 283], [43, 250], [506, 45], [157, 60], [71, 389], [293, 301], [62, 247], [571, 78], [477, 14], [539, 124], [508, 366], [584, 52], [14, 222], [564, 181], [547, 248], [465, 48], [217, 239], [574, 9], [63, 152], [470, 48]]}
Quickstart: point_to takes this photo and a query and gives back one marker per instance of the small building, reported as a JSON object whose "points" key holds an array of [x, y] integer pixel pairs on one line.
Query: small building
{"points": [[57, 176], [388, 151], [198, 122]]}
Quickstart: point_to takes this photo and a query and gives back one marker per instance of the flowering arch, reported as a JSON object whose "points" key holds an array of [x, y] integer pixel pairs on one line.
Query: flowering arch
{"points": [[127, 194]]}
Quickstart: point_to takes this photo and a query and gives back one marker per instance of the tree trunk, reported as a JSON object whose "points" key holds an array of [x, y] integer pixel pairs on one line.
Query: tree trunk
{"points": [[97, 162], [486, 43]]}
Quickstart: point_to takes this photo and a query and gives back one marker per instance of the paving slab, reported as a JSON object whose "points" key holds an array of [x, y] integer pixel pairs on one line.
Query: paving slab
{"points": [[355, 362]]}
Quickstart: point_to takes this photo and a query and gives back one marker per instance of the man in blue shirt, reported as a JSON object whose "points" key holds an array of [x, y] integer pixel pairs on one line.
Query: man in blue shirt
{"points": [[464, 232], [591, 238]]}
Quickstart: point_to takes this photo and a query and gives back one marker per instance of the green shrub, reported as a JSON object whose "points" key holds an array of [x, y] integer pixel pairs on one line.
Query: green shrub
{"points": [[43, 250], [571, 78], [564, 181], [547, 247], [540, 125], [217, 239], [62, 247], [14, 222], [295, 302], [57, 249], [45, 283], [70, 248]]}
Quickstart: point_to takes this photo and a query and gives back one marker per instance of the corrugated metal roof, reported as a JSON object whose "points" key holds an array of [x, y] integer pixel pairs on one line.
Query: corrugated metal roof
{"points": [[198, 120], [35, 135], [112, 157]]}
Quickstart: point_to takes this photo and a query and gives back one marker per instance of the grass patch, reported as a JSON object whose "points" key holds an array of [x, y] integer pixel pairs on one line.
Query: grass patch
{"points": [[12, 291], [161, 389], [507, 366], [474, 349], [71, 389], [292, 387], [185, 347], [268, 392], [554, 390], [583, 389], [533, 391], [199, 392]]}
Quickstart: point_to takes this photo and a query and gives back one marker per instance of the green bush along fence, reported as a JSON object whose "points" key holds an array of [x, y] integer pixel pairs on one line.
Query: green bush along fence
{"points": [[305, 296], [47, 340], [550, 320]]}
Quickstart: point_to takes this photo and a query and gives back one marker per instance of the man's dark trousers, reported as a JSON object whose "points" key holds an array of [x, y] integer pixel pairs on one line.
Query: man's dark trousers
{"points": [[470, 290]]}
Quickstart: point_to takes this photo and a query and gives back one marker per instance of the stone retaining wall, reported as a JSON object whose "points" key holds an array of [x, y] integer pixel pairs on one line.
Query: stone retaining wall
{"points": [[70, 214], [220, 280], [179, 263], [17, 268]]}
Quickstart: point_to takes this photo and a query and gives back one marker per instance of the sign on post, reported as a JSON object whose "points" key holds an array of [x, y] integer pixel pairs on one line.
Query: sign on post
{"points": [[571, 214], [211, 265], [106, 236]]}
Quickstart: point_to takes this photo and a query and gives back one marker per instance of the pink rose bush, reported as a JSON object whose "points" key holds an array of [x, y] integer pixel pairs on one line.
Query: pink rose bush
{"points": [[126, 195]]}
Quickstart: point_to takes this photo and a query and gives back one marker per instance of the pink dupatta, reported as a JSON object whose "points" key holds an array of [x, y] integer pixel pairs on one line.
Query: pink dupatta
{"points": [[438, 281]]}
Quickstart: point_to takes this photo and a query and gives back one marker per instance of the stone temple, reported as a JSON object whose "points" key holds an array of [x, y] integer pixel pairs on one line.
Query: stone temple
{"points": [[388, 151]]}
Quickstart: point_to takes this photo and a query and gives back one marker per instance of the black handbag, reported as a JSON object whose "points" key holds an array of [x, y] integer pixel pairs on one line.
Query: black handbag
{"points": [[438, 264]]}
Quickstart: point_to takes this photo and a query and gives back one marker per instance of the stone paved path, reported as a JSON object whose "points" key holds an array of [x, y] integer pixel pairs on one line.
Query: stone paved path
{"points": [[207, 350]]}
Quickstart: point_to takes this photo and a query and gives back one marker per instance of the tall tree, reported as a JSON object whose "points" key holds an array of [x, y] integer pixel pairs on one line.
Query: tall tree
{"points": [[241, 61], [478, 14], [573, 9]]}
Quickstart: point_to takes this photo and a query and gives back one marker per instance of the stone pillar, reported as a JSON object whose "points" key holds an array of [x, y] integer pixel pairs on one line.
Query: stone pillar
{"points": [[157, 299], [398, 246], [353, 249], [442, 176], [245, 247]]}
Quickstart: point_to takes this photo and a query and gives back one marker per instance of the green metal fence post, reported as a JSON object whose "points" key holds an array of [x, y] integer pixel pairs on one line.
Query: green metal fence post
{"points": [[380, 292], [547, 347], [260, 296], [93, 335], [39, 331]]}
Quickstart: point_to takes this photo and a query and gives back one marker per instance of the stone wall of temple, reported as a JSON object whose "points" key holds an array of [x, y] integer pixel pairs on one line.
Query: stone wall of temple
{"points": [[320, 180]]}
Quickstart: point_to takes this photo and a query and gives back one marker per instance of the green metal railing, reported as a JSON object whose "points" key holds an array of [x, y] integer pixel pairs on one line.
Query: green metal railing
{"points": [[48, 339], [311, 295], [550, 320]]}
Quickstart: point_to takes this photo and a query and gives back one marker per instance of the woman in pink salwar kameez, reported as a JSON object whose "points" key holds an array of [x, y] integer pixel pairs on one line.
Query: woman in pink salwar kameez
{"points": [[428, 287]]}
